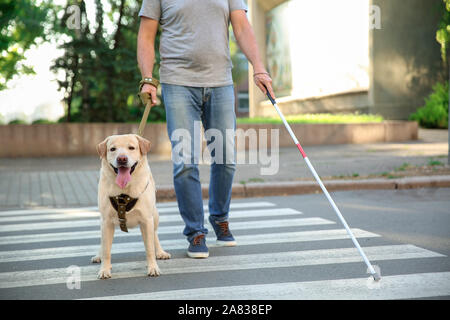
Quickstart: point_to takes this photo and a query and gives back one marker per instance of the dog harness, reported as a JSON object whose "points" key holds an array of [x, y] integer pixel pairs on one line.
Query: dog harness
{"points": [[122, 204]]}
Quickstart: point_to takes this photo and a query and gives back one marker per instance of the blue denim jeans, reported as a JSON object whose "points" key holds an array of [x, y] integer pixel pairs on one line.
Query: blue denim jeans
{"points": [[187, 108]]}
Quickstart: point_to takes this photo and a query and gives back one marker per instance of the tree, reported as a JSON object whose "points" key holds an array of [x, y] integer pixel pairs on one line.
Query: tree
{"points": [[22, 25], [101, 72], [443, 32]]}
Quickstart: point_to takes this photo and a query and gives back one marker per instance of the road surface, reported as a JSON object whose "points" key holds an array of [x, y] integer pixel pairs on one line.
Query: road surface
{"points": [[288, 248]]}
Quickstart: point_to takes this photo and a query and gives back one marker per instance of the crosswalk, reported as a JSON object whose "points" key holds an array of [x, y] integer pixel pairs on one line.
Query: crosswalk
{"points": [[282, 253]]}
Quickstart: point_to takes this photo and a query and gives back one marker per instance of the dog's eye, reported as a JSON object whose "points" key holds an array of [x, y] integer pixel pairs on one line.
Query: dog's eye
{"points": [[131, 148], [112, 149]]}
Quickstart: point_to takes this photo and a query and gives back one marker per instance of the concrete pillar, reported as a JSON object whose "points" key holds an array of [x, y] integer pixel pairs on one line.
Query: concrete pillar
{"points": [[404, 56], [257, 16]]}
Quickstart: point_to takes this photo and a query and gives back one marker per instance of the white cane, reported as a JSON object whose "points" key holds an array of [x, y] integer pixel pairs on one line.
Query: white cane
{"points": [[374, 274]]}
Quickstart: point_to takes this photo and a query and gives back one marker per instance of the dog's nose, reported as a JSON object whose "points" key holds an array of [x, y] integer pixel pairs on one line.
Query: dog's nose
{"points": [[122, 160]]}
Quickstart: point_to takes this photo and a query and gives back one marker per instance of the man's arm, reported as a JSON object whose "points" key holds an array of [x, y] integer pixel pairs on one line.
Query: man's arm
{"points": [[246, 40], [146, 52]]}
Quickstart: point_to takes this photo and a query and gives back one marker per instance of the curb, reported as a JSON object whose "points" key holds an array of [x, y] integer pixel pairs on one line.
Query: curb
{"points": [[284, 188]]}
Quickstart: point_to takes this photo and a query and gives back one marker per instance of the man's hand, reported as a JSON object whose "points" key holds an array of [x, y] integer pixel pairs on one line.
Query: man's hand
{"points": [[148, 88], [263, 79]]}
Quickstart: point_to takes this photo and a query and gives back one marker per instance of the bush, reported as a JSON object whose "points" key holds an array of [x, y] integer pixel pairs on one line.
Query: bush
{"points": [[41, 121], [317, 118], [435, 112], [17, 121]]}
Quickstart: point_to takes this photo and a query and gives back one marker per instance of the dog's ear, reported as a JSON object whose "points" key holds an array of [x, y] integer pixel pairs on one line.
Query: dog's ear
{"points": [[144, 145], [101, 148]]}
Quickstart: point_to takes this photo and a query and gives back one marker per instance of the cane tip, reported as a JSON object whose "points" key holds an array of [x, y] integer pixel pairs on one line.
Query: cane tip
{"points": [[376, 277]]}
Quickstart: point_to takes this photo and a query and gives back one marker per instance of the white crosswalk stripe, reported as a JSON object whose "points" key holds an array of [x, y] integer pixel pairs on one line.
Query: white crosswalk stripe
{"points": [[408, 286], [268, 225], [60, 236], [124, 247], [163, 218], [239, 262], [12, 215]]}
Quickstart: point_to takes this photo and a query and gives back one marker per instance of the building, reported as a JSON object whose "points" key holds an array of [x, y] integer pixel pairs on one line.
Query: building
{"points": [[368, 56]]}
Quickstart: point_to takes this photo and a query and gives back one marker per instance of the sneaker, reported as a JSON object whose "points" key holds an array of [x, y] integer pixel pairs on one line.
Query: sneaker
{"points": [[197, 247], [224, 236]]}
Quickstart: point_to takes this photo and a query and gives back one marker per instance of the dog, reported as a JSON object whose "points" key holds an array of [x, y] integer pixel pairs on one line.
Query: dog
{"points": [[126, 198]]}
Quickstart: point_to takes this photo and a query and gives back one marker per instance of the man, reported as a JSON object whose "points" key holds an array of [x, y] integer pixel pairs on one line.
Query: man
{"points": [[197, 86]]}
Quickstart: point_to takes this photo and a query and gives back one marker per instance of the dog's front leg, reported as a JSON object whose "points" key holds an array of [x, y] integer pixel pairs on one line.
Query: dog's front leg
{"points": [[107, 239], [148, 236]]}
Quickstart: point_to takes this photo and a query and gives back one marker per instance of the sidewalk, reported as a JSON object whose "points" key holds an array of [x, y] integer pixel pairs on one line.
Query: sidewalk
{"points": [[72, 182]]}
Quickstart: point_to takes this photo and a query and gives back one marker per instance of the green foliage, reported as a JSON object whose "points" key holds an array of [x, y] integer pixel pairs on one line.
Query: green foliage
{"points": [[435, 163], [434, 114], [17, 121], [443, 32], [22, 23], [99, 65], [42, 121], [403, 167], [317, 118], [102, 74]]}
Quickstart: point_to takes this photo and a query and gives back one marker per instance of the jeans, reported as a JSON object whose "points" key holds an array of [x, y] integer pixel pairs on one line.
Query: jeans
{"points": [[187, 107]]}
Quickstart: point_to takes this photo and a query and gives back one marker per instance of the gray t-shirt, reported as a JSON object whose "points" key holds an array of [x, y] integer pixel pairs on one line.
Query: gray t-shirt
{"points": [[194, 44]]}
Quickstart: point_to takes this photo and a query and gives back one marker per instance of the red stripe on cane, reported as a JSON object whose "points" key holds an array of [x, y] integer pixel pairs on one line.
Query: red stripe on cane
{"points": [[301, 150]]}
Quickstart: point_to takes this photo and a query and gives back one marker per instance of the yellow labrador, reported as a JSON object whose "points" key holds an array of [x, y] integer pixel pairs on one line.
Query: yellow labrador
{"points": [[127, 190]]}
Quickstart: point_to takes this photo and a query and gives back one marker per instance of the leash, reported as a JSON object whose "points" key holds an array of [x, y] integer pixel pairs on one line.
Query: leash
{"points": [[145, 98]]}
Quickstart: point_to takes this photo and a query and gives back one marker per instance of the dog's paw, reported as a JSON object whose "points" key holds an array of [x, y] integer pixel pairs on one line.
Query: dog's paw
{"points": [[96, 259], [153, 271], [162, 255], [104, 274]]}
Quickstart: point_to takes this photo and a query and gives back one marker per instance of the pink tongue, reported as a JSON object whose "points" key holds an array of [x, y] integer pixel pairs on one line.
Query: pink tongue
{"points": [[123, 177]]}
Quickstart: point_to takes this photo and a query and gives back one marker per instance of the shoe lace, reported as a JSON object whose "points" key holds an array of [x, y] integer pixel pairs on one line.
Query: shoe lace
{"points": [[224, 227], [197, 239]]}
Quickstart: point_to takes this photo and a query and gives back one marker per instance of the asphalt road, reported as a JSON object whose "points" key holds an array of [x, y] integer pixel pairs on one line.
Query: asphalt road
{"points": [[288, 248]]}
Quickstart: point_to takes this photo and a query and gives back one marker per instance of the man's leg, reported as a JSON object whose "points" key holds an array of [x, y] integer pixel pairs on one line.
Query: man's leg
{"points": [[183, 108], [219, 116]]}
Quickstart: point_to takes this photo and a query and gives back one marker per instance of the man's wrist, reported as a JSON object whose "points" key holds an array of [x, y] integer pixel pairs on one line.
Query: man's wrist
{"points": [[258, 73], [147, 84], [148, 80], [259, 67]]}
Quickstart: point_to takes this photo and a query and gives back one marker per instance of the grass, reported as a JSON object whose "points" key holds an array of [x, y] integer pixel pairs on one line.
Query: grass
{"points": [[435, 163], [251, 180], [317, 118], [403, 167]]}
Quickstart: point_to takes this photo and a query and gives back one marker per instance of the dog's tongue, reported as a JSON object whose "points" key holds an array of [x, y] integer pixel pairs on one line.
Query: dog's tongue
{"points": [[123, 177]]}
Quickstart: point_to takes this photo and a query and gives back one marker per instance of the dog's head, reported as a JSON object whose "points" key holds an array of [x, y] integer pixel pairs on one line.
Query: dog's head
{"points": [[123, 153]]}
